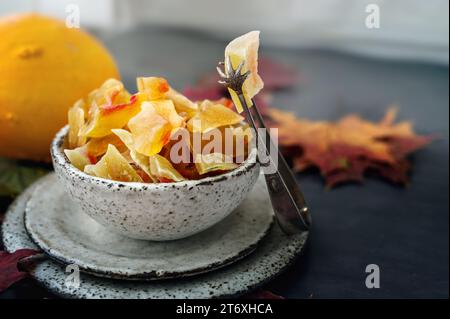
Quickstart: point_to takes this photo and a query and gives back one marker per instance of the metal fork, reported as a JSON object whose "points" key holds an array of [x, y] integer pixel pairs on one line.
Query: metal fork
{"points": [[285, 195]]}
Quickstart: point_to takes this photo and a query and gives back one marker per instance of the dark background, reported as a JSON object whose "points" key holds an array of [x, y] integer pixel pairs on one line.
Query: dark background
{"points": [[404, 230]]}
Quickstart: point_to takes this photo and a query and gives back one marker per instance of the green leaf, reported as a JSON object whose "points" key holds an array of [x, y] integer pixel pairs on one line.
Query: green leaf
{"points": [[16, 176]]}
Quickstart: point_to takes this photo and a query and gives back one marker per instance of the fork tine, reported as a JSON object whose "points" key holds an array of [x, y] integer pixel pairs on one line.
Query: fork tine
{"points": [[228, 67], [221, 73], [239, 68]]}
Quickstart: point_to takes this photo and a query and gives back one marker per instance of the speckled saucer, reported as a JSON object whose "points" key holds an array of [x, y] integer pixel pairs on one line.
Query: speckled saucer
{"points": [[60, 228], [274, 253]]}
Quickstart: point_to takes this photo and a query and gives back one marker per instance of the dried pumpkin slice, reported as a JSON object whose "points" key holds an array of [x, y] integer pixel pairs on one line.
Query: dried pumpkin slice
{"points": [[105, 93], [78, 157], [115, 112], [98, 146], [166, 109], [213, 116], [76, 123], [113, 166], [238, 137], [141, 160], [162, 169], [208, 163], [154, 88], [182, 103], [150, 130], [245, 48]]}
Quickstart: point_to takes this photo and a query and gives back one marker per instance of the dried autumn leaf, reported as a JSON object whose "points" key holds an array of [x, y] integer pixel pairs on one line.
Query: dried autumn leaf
{"points": [[9, 273], [343, 151], [262, 294]]}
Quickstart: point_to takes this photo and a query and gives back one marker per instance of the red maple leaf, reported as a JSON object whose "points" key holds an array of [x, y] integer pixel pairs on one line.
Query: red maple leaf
{"points": [[262, 294], [9, 272], [345, 150]]}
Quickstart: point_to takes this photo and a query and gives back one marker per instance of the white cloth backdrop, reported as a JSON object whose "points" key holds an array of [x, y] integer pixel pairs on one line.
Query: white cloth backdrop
{"points": [[409, 29]]}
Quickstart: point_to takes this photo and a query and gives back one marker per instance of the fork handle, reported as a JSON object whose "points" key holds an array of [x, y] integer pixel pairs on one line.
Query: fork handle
{"points": [[285, 195]]}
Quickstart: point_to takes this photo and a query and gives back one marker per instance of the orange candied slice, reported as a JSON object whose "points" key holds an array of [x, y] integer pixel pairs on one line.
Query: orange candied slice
{"points": [[141, 160], [207, 163], [119, 106], [154, 88], [212, 116], [245, 48], [166, 109], [162, 169], [76, 122], [182, 103], [150, 130], [79, 157], [113, 166], [105, 93], [241, 135], [99, 145]]}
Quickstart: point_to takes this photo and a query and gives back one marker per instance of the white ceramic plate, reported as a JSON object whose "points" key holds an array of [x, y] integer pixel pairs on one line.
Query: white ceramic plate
{"points": [[273, 254], [60, 228]]}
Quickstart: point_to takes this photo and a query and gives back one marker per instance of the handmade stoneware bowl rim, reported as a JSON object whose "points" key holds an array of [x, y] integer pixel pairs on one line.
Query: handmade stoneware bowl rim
{"points": [[60, 158]]}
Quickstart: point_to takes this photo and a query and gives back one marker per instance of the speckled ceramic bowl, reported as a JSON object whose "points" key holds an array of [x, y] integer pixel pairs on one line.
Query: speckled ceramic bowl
{"points": [[159, 212]]}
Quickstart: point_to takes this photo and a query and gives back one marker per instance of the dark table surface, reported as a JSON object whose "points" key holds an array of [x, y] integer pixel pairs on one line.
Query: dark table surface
{"points": [[405, 231]]}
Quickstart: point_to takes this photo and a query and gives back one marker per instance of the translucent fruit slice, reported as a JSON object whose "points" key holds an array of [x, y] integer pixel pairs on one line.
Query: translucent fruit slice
{"points": [[98, 146], [154, 88], [141, 160], [76, 122], [113, 166], [207, 163], [213, 116], [78, 157], [239, 136], [163, 169], [150, 130], [245, 48], [117, 107], [182, 103], [166, 109], [105, 93]]}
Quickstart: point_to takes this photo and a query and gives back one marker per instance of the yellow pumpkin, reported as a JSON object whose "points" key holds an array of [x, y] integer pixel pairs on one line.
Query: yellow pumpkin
{"points": [[44, 68]]}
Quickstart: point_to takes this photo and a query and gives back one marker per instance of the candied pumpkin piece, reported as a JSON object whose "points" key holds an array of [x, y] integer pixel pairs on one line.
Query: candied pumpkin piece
{"points": [[162, 169], [76, 123], [113, 166], [141, 160], [166, 109], [98, 146], [245, 48], [208, 163], [241, 136], [154, 88], [150, 130], [182, 103], [78, 157], [212, 116], [111, 107]]}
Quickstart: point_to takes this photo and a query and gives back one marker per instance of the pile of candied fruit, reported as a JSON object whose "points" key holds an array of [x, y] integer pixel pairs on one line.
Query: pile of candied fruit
{"points": [[156, 135]]}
